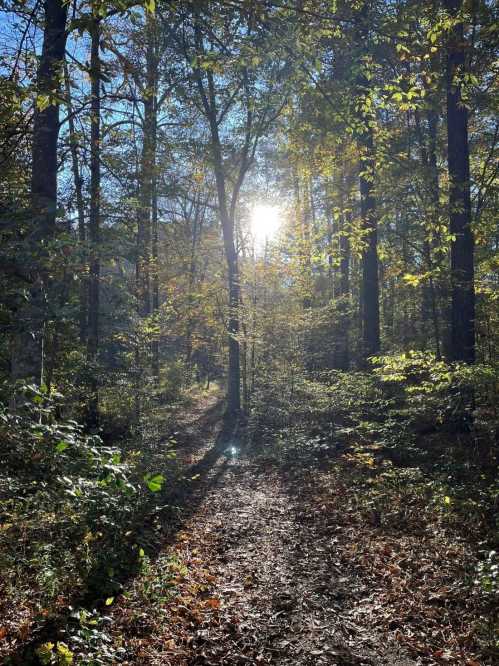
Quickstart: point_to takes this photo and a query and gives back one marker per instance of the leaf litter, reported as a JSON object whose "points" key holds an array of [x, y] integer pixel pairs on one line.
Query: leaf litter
{"points": [[278, 563]]}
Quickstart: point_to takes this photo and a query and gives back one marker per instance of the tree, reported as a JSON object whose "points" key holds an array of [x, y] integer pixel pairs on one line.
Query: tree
{"points": [[462, 244], [225, 78], [94, 219], [365, 135], [28, 351], [80, 206]]}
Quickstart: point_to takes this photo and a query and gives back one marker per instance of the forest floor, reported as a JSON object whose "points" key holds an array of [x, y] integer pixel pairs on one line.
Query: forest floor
{"points": [[250, 555], [272, 563]]}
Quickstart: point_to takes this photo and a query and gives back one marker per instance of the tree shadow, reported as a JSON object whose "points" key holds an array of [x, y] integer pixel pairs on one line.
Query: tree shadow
{"points": [[337, 587], [152, 528]]}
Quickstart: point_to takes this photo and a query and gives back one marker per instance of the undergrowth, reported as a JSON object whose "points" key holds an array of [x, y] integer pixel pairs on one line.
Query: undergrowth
{"points": [[414, 443], [72, 511]]}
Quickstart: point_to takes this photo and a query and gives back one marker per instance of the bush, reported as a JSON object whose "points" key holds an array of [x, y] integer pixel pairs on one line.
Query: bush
{"points": [[432, 396], [68, 502]]}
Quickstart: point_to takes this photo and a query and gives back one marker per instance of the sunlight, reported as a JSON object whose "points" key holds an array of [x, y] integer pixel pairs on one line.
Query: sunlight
{"points": [[231, 452], [265, 223]]}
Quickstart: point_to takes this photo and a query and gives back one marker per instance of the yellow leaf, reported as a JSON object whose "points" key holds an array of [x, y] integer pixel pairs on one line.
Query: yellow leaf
{"points": [[42, 102], [109, 601]]}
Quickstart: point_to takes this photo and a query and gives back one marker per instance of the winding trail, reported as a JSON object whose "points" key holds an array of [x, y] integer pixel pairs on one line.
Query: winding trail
{"points": [[250, 577]]}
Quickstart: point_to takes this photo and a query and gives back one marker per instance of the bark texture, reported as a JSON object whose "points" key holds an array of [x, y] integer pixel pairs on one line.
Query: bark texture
{"points": [[462, 345]]}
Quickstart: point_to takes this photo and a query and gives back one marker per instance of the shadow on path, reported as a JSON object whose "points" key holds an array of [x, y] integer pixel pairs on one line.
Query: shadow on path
{"points": [[205, 437], [331, 585]]}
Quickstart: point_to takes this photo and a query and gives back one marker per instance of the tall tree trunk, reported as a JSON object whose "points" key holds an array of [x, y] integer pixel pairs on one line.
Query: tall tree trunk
{"points": [[94, 224], [145, 199], [343, 347], [365, 139], [306, 223], [27, 357], [46, 120], [148, 286], [155, 272], [227, 205], [234, 381], [228, 228], [196, 214], [234, 378], [370, 280], [80, 209], [429, 309], [302, 229], [462, 247], [227, 219], [328, 202]]}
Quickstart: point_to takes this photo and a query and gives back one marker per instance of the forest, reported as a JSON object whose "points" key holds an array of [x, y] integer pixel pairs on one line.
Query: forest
{"points": [[249, 256]]}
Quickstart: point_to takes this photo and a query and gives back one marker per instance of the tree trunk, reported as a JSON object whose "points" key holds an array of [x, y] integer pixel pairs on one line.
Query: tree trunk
{"points": [[234, 371], [80, 209], [234, 377], [328, 186], [343, 353], [462, 347], [306, 222], [148, 286], [228, 225], [145, 192], [46, 120], [429, 305], [197, 214], [27, 357], [94, 225], [365, 139], [370, 282], [155, 273]]}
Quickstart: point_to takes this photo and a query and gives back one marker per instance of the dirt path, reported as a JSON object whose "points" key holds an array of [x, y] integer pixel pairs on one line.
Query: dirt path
{"points": [[246, 560], [248, 578], [283, 597]]}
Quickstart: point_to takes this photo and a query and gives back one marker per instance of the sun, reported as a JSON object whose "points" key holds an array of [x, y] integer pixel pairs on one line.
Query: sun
{"points": [[265, 223]]}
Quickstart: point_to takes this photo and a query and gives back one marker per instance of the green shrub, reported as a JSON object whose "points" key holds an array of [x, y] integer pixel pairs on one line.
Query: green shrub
{"points": [[67, 501]]}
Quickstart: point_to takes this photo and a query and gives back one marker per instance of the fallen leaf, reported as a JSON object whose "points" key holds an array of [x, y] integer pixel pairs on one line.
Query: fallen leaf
{"points": [[213, 603]]}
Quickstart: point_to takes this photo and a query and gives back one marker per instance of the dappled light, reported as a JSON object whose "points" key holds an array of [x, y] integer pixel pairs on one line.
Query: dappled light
{"points": [[249, 333]]}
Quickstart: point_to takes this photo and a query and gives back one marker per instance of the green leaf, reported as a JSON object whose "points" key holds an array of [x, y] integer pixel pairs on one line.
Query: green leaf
{"points": [[141, 552], [155, 483], [150, 6], [61, 446]]}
